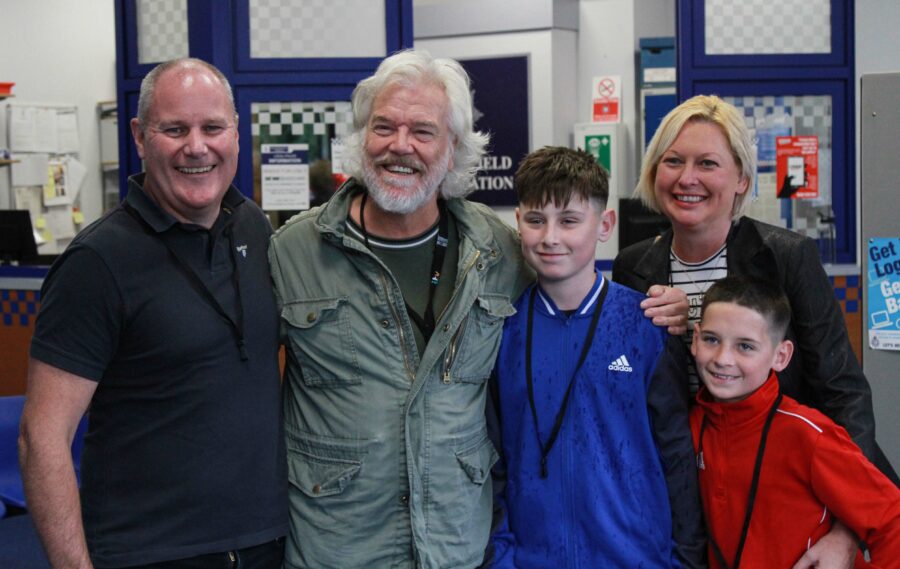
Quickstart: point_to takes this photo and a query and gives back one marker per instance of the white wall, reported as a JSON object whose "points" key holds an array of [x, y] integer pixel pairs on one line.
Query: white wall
{"points": [[606, 46], [59, 51]]}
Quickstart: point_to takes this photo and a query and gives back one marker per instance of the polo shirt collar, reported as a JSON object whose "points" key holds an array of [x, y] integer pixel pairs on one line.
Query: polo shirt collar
{"points": [[159, 219]]}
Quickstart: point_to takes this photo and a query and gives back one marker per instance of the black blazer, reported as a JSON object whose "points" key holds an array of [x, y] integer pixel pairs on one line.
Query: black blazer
{"points": [[824, 372]]}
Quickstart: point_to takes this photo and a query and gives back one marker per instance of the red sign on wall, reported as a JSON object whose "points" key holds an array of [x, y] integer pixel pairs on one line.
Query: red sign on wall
{"points": [[797, 166]]}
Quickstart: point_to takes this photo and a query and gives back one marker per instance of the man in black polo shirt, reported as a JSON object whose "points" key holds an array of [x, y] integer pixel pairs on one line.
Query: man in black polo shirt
{"points": [[161, 317]]}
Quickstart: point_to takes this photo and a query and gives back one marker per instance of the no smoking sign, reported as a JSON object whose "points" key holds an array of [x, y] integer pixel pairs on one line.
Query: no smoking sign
{"points": [[605, 101]]}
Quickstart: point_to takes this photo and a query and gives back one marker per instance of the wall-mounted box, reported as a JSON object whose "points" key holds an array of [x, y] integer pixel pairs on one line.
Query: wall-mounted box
{"points": [[657, 62]]}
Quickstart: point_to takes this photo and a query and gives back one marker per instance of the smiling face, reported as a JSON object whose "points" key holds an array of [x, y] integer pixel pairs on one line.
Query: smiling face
{"points": [[189, 144], [408, 147], [697, 179], [559, 242], [734, 351]]}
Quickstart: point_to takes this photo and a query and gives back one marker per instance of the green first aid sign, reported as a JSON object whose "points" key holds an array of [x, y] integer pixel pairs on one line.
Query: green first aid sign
{"points": [[600, 146]]}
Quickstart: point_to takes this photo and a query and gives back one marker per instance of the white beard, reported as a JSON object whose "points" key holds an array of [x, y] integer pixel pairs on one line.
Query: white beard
{"points": [[399, 196]]}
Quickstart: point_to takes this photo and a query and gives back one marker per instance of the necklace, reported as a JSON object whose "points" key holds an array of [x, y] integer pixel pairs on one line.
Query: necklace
{"points": [[711, 268]]}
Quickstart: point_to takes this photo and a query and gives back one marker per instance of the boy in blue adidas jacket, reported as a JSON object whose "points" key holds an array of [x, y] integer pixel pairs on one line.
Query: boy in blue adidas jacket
{"points": [[591, 396]]}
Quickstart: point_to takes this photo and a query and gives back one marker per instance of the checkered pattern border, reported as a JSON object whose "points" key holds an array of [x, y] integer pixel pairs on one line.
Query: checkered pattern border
{"points": [[848, 292], [298, 122], [162, 30], [19, 307], [752, 27], [317, 28]]}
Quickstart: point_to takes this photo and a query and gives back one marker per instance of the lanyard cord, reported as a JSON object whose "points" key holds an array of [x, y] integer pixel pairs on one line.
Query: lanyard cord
{"points": [[560, 415], [237, 326], [754, 485], [425, 323]]}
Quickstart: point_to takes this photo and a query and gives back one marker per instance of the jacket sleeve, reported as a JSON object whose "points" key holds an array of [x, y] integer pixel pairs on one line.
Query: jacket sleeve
{"points": [[501, 547], [858, 494], [667, 400], [836, 381]]}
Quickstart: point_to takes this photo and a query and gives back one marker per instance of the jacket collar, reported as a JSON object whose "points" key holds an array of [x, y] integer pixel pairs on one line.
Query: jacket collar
{"points": [[744, 244], [740, 413], [545, 305]]}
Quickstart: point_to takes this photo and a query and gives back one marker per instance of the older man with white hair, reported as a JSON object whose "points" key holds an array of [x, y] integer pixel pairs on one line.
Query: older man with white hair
{"points": [[392, 299]]}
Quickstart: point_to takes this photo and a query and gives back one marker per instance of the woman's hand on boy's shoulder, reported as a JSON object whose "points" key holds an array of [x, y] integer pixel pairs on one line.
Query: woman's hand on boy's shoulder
{"points": [[667, 307], [836, 550]]}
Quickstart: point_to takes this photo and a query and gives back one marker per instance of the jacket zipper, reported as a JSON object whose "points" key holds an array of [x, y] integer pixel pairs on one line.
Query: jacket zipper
{"points": [[451, 349], [411, 376]]}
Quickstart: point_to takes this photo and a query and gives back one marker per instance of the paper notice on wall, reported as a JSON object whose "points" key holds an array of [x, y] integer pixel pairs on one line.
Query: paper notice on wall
{"points": [[31, 170], [67, 131], [338, 149], [77, 174], [285, 176], [22, 132], [36, 128], [57, 189], [60, 221], [883, 318]]}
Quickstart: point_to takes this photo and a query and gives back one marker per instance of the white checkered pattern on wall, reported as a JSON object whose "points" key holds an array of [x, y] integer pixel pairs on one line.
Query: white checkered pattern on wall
{"points": [[807, 115], [317, 28], [751, 27], [300, 119], [162, 30]]}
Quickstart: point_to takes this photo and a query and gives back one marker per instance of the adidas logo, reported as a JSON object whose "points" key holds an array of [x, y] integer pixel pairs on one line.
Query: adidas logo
{"points": [[621, 364]]}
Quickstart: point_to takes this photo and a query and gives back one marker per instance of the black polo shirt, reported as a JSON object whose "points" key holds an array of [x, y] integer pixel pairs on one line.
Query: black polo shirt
{"points": [[184, 451]]}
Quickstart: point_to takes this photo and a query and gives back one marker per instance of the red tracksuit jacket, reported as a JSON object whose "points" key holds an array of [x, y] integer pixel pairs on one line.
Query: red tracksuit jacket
{"points": [[812, 472]]}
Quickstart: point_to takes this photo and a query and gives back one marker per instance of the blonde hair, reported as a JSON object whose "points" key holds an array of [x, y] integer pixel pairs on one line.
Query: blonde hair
{"points": [[701, 108]]}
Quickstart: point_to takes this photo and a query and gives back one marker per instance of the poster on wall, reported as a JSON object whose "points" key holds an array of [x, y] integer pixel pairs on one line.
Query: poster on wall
{"points": [[797, 166], [883, 316], [500, 93], [285, 176]]}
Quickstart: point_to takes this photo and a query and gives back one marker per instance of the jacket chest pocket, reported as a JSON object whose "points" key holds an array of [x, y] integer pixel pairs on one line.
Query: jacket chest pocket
{"points": [[475, 349], [320, 337]]}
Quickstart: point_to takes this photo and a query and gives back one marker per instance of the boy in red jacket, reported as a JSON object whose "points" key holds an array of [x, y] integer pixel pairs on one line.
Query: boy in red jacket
{"points": [[774, 474]]}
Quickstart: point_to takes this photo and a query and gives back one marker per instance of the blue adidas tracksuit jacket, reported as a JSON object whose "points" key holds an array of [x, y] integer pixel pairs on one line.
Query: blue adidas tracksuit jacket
{"points": [[623, 449]]}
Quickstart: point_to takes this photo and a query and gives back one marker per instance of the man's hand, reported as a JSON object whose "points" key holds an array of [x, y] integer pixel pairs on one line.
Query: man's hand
{"points": [[836, 550], [667, 306]]}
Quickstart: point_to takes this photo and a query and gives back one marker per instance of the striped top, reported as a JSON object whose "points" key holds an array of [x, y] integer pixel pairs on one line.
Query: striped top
{"points": [[695, 279]]}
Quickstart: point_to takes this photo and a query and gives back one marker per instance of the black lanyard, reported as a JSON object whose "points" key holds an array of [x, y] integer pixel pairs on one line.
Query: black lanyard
{"points": [[754, 485], [237, 326], [425, 323], [560, 415]]}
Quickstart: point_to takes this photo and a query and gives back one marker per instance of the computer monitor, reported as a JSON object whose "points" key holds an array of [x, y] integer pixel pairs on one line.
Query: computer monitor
{"points": [[637, 223], [17, 238]]}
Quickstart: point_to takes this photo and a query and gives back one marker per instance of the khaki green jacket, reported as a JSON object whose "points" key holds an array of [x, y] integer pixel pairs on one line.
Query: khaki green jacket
{"points": [[388, 455]]}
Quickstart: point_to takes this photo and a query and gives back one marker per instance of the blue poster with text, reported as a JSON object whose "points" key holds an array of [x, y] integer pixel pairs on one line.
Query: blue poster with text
{"points": [[883, 318]]}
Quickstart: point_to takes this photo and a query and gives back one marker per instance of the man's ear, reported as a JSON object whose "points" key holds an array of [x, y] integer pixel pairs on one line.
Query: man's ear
{"points": [[783, 352], [138, 134]]}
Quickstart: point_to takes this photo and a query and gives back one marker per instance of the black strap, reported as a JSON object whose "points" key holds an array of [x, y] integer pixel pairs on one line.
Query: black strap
{"points": [[560, 415], [425, 323], [237, 326], [754, 485]]}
